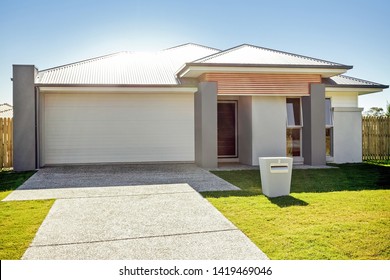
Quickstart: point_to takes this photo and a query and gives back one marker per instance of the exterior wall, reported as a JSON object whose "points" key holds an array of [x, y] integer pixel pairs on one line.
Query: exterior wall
{"points": [[206, 153], [245, 129], [313, 131], [347, 127], [343, 99], [24, 133], [268, 127], [347, 134]]}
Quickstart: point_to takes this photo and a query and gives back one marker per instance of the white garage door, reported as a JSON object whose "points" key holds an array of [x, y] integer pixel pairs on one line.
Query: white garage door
{"points": [[117, 127]]}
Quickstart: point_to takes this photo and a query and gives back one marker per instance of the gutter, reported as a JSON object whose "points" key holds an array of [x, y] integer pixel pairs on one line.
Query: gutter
{"points": [[379, 86], [117, 88]]}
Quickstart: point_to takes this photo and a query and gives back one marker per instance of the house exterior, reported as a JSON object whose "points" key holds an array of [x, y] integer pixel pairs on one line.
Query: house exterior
{"points": [[189, 103]]}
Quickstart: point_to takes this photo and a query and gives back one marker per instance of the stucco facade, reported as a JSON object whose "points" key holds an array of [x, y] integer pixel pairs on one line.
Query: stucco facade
{"points": [[25, 114], [347, 142]]}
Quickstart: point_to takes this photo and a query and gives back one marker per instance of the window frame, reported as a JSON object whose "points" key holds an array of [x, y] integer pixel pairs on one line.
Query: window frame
{"points": [[297, 159], [300, 113], [330, 112], [331, 129]]}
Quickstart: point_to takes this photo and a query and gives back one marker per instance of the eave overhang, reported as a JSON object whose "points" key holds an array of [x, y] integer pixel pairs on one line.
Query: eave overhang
{"points": [[116, 88], [360, 89], [194, 70]]}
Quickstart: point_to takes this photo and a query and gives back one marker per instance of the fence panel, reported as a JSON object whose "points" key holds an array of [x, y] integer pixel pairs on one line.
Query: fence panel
{"points": [[376, 138], [6, 145]]}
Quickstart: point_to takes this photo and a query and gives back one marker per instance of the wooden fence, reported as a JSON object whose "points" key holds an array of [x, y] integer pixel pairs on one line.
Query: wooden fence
{"points": [[376, 138], [6, 145]]}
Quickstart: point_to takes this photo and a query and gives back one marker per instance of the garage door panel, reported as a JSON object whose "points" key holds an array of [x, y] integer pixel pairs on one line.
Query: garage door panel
{"points": [[107, 155], [131, 113], [98, 127], [92, 128], [72, 114]]}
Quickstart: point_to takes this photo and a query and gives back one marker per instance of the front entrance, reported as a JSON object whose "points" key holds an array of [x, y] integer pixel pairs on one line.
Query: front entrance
{"points": [[227, 129]]}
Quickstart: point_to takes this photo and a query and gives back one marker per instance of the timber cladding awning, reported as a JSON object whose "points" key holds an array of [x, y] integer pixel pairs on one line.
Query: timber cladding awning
{"points": [[262, 84]]}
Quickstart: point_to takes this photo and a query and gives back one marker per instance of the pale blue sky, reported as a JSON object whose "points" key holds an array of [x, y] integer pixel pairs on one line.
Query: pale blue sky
{"points": [[49, 33]]}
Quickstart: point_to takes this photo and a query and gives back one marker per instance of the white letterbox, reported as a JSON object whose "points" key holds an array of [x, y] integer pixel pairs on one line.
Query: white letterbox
{"points": [[275, 173]]}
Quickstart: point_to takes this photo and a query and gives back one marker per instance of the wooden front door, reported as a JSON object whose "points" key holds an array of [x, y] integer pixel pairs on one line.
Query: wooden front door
{"points": [[227, 129]]}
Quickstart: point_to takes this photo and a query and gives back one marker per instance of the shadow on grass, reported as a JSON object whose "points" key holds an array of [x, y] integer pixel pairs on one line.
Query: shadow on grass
{"points": [[347, 177], [287, 201], [10, 180]]}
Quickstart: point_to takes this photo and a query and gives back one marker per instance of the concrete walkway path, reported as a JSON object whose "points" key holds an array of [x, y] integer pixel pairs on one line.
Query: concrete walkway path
{"points": [[160, 222]]}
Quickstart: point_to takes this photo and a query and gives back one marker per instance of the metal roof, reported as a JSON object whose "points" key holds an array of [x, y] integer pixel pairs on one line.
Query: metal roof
{"points": [[249, 54], [141, 68], [346, 81], [161, 67], [6, 111]]}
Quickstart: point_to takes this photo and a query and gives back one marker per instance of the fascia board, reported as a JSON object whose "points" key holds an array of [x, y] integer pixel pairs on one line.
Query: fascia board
{"points": [[194, 71], [359, 90]]}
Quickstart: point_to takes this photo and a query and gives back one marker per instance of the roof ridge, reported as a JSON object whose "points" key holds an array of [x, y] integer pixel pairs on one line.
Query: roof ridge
{"points": [[83, 61], [267, 49], [221, 52], [190, 43]]}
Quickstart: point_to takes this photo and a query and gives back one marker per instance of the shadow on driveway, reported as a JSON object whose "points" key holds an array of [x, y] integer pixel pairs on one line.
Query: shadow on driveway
{"points": [[126, 175]]}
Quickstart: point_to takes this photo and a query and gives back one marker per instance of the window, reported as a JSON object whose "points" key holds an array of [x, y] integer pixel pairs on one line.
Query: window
{"points": [[328, 112], [293, 142], [293, 112], [329, 137], [294, 127], [328, 127]]}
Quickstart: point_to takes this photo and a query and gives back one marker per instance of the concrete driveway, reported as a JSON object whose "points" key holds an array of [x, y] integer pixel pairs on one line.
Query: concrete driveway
{"points": [[159, 221]]}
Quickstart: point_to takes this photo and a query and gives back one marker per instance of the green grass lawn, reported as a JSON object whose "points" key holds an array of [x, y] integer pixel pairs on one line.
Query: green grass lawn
{"points": [[19, 220], [341, 213], [383, 162]]}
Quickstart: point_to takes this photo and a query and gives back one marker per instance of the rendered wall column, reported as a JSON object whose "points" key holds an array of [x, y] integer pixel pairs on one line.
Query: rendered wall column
{"points": [[206, 152], [347, 134], [24, 117], [268, 127], [313, 132], [245, 129]]}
